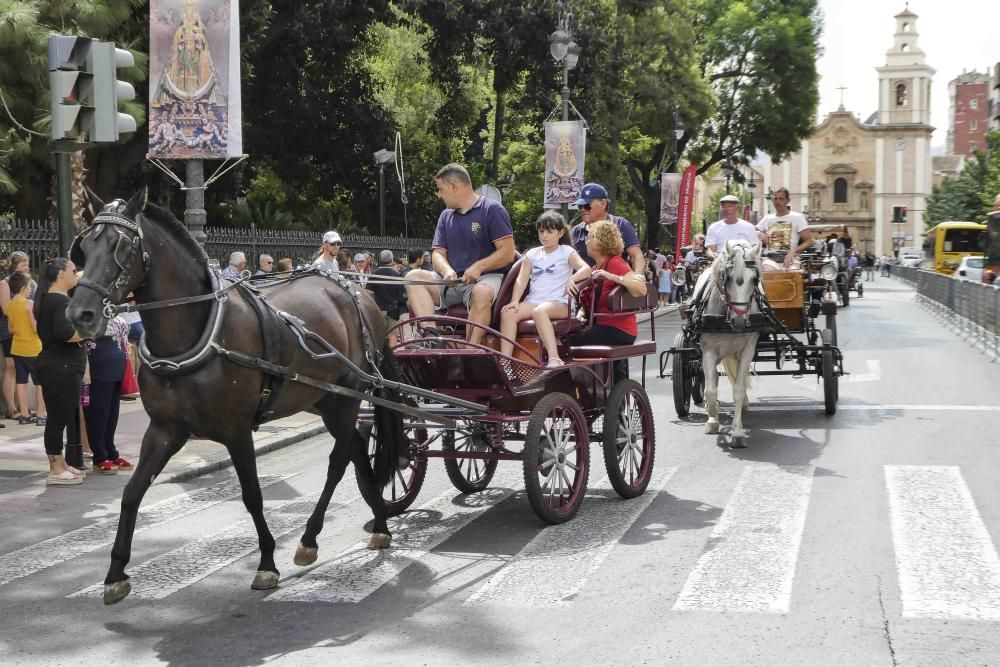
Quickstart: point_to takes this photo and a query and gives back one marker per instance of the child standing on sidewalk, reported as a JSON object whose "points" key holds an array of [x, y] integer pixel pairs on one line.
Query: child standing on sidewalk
{"points": [[25, 347], [553, 268]]}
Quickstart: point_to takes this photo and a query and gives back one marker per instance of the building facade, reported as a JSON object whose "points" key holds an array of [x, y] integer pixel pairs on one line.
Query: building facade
{"points": [[969, 113], [866, 174], [995, 97]]}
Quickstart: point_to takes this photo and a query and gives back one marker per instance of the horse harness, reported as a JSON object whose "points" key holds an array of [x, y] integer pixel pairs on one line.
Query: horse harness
{"points": [[274, 374]]}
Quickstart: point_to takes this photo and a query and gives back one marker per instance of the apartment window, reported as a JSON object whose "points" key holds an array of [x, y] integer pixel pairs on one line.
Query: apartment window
{"points": [[973, 104], [973, 124]]}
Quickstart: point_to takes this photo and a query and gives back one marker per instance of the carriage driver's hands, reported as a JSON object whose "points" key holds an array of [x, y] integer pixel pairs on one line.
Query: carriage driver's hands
{"points": [[789, 259], [471, 274]]}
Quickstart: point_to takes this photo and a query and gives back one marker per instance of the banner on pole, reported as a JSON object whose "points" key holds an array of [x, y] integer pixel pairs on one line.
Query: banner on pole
{"points": [[670, 198], [194, 79], [565, 149], [685, 207]]}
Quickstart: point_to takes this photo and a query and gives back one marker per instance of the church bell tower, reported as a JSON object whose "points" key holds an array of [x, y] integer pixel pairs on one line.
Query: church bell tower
{"points": [[905, 79]]}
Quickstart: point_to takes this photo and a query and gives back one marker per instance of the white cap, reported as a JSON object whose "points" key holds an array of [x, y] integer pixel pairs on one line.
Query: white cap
{"points": [[361, 257], [332, 237], [728, 198]]}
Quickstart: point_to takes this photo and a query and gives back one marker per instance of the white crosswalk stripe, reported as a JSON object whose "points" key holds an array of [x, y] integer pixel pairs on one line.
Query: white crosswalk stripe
{"points": [[947, 564], [749, 564], [555, 566], [59, 549], [358, 572]]}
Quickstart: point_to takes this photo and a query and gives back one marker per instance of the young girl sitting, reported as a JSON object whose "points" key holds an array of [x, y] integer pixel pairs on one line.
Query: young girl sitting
{"points": [[553, 269], [25, 347]]}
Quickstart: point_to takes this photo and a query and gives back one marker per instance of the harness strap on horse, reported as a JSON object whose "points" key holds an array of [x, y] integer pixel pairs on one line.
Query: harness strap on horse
{"points": [[272, 382]]}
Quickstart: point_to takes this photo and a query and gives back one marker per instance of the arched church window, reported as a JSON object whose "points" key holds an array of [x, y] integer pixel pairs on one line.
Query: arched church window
{"points": [[904, 48], [840, 191], [864, 200], [906, 27], [902, 97]]}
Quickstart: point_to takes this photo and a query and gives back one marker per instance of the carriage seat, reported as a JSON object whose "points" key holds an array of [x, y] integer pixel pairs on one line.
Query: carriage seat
{"points": [[638, 348], [621, 302], [563, 328]]}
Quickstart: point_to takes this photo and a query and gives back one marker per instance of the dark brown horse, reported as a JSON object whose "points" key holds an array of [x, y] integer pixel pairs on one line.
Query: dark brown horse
{"points": [[191, 388]]}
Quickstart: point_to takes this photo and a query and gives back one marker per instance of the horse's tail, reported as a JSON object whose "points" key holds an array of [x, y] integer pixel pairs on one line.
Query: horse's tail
{"points": [[731, 366], [390, 438]]}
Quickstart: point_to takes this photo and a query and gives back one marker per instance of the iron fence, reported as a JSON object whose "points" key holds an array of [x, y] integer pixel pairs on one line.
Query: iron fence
{"points": [[40, 239], [971, 308]]}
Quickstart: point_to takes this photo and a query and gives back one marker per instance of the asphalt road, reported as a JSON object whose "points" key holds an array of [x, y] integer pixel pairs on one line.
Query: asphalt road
{"points": [[866, 538]]}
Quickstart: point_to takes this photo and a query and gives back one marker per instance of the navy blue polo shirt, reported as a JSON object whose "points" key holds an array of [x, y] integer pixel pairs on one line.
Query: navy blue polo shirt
{"points": [[579, 236], [468, 237]]}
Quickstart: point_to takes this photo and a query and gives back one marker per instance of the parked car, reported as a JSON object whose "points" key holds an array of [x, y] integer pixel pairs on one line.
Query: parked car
{"points": [[971, 268]]}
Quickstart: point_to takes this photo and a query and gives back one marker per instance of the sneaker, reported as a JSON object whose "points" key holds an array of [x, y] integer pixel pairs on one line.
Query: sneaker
{"points": [[25, 419], [65, 478], [122, 464], [76, 471], [106, 468], [41, 421]]}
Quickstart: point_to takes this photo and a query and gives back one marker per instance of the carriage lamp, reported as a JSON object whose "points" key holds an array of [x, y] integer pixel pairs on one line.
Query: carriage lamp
{"points": [[829, 271]]}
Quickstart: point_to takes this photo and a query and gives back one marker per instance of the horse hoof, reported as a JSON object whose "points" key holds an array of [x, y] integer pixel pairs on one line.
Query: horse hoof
{"points": [[117, 591], [739, 443], [305, 555], [711, 429], [379, 541], [265, 580]]}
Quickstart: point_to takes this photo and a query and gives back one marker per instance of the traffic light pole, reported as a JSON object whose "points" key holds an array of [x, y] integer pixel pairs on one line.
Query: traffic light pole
{"points": [[64, 202]]}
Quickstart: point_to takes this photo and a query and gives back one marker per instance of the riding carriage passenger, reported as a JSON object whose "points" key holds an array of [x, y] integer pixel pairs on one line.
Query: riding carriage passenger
{"points": [[605, 245]]}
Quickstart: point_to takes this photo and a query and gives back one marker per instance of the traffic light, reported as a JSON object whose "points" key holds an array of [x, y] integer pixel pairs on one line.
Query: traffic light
{"points": [[70, 86], [107, 124], [899, 214]]}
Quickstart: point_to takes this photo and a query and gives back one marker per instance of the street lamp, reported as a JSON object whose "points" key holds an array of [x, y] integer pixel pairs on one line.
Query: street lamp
{"points": [[769, 197], [382, 158], [751, 186], [727, 169], [567, 52]]}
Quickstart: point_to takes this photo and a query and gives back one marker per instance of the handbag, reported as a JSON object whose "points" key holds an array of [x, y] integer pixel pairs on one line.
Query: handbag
{"points": [[129, 384]]}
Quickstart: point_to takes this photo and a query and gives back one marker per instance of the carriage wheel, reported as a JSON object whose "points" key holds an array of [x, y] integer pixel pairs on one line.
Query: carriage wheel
{"points": [[469, 475], [830, 381], [556, 458], [629, 439], [405, 484], [681, 380]]}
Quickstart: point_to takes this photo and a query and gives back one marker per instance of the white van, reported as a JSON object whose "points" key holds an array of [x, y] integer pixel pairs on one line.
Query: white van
{"points": [[910, 256]]}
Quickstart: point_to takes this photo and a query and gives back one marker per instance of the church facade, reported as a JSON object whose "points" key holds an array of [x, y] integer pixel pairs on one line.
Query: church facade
{"points": [[874, 177]]}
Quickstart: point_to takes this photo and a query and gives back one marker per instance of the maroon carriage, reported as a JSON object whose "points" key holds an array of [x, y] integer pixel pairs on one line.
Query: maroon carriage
{"points": [[554, 414]]}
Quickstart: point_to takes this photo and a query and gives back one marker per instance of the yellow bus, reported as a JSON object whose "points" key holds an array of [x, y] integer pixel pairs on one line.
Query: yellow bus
{"points": [[946, 243]]}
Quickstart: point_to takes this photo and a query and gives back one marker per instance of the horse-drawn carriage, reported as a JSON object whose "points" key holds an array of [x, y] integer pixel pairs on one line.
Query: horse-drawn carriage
{"points": [[779, 315], [555, 413]]}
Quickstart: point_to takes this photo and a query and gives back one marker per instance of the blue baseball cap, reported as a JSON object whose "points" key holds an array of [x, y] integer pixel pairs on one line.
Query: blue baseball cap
{"points": [[590, 192]]}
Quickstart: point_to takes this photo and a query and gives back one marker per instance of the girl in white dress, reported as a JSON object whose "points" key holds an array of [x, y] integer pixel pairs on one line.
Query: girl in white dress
{"points": [[553, 269]]}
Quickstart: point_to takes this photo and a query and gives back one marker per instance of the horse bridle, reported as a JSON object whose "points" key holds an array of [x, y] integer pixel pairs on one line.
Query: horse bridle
{"points": [[738, 307], [132, 246]]}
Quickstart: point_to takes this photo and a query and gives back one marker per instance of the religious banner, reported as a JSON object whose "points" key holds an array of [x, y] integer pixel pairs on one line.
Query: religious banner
{"points": [[565, 147], [194, 79], [670, 197], [685, 207]]}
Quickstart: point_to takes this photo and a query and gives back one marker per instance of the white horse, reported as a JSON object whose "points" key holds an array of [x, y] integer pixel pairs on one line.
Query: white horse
{"points": [[726, 290]]}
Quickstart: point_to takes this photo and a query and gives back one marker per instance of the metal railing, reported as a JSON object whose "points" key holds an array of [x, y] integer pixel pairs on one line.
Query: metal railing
{"points": [[971, 308], [40, 239]]}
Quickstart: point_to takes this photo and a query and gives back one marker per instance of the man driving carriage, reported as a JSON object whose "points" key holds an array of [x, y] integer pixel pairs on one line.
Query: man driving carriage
{"points": [[474, 243], [784, 233], [730, 228]]}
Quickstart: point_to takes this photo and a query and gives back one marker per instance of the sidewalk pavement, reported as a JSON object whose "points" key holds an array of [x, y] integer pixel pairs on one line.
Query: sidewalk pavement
{"points": [[22, 450]]}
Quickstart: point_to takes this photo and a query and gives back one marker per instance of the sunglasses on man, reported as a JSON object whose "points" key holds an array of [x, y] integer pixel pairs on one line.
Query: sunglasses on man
{"points": [[584, 207]]}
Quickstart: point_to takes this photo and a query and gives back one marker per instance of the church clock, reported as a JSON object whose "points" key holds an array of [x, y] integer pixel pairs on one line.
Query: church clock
{"points": [[900, 145]]}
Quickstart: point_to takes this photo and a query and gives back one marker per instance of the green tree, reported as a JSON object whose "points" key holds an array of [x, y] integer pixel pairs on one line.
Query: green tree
{"points": [[963, 197]]}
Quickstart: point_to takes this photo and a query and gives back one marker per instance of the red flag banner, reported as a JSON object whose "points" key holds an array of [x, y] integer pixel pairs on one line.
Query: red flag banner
{"points": [[685, 207]]}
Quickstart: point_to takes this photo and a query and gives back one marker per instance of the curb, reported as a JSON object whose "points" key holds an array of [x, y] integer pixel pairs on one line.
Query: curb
{"points": [[199, 469]]}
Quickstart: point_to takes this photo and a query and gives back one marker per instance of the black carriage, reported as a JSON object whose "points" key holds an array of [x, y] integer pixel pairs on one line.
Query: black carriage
{"points": [[554, 414], [798, 333]]}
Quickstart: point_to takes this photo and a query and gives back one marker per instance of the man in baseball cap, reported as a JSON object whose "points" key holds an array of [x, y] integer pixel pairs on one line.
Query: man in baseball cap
{"points": [[593, 207], [730, 228], [327, 260]]}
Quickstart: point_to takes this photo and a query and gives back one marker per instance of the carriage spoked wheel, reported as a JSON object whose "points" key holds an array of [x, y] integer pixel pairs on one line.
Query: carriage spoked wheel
{"points": [[556, 458], [681, 378], [405, 484], [831, 390], [831, 325], [470, 475], [629, 439]]}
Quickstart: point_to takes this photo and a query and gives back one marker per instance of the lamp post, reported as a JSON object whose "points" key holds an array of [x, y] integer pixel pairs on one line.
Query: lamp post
{"points": [[566, 52], [769, 197], [727, 169], [382, 158], [751, 186]]}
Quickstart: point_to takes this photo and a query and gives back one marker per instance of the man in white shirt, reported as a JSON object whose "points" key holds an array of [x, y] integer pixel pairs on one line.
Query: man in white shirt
{"points": [[784, 232], [730, 228], [331, 248]]}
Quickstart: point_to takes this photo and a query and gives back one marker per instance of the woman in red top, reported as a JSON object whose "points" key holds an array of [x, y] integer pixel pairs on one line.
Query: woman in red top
{"points": [[605, 246]]}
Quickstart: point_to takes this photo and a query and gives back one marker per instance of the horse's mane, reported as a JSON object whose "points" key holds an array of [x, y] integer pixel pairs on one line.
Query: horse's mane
{"points": [[174, 228]]}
